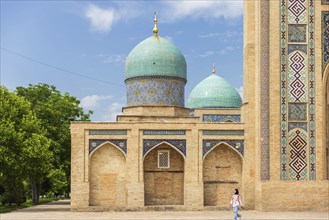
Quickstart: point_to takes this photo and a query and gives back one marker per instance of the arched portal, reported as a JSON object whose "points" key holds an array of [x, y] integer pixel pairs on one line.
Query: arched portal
{"points": [[164, 176], [107, 177], [222, 173]]}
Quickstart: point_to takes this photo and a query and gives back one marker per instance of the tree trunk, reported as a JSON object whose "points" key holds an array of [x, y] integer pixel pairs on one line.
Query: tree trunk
{"points": [[36, 189]]}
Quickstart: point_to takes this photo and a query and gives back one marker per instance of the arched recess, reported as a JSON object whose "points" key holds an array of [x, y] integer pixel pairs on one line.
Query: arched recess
{"points": [[107, 176], [326, 81], [222, 173], [164, 186]]}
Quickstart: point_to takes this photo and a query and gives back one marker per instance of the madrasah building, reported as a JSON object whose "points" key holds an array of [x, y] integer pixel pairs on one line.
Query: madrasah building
{"points": [[273, 146]]}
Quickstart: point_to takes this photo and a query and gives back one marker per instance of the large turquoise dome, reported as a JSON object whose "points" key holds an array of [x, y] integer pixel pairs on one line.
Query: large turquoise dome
{"points": [[214, 92], [155, 56]]}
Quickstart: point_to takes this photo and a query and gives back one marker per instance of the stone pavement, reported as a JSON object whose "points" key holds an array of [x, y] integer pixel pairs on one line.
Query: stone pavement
{"points": [[60, 210]]}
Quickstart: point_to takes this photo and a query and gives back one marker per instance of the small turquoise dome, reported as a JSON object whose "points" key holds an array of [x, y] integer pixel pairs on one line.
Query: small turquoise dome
{"points": [[214, 92], [155, 56]]}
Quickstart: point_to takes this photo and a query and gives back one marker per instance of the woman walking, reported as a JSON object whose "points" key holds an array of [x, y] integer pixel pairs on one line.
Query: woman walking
{"points": [[236, 203]]}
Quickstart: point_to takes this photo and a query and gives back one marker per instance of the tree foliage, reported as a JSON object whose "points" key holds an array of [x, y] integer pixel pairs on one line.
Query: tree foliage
{"points": [[24, 148], [35, 142]]}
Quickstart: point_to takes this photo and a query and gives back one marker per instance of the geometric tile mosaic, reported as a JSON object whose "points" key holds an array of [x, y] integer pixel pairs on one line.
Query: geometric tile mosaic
{"points": [[297, 77], [298, 161], [297, 112], [299, 47], [164, 132], [299, 125], [297, 11], [297, 33], [325, 39], [107, 132], [149, 144], [120, 143], [297, 91], [155, 90], [208, 145], [220, 118], [223, 132]]}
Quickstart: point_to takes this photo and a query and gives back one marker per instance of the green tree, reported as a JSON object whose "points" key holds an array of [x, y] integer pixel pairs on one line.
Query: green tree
{"points": [[24, 148], [55, 110], [58, 181]]}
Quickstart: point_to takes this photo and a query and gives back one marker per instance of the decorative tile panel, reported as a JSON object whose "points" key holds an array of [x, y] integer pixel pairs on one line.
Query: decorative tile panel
{"points": [[298, 161], [297, 90], [312, 92], [164, 132], [297, 12], [265, 91], [297, 77], [297, 112], [208, 145], [297, 47], [220, 118], [325, 39], [299, 125], [155, 90], [107, 132], [297, 33], [120, 143], [223, 132], [149, 144]]}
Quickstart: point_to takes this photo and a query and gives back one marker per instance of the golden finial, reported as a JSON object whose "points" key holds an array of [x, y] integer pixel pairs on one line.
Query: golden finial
{"points": [[213, 69], [155, 29]]}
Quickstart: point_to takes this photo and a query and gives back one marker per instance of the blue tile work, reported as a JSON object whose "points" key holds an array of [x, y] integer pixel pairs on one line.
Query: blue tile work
{"points": [[155, 90], [297, 47], [297, 90], [300, 125], [208, 145], [164, 132], [297, 33], [120, 143], [149, 144], [220, 118], [297, 112], [325, 38], [223, 132], [107, 132]]}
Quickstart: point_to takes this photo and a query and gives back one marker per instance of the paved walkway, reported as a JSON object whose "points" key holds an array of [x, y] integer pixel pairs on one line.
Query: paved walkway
{"points": [[60, 210]]}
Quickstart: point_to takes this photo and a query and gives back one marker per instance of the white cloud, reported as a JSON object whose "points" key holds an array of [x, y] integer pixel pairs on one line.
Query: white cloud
{"points": [[116, 58], [102, 20], [112, 111], [223, 35], [226, 50], [92, 102], [176, 10], [223, 51], [207, 53], [240, 91]]}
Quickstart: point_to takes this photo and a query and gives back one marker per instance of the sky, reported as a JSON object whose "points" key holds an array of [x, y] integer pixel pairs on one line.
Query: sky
{"points": [[80, 47]]}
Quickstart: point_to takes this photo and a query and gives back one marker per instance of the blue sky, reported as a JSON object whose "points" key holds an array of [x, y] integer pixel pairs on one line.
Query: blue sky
{"points": [[80, 46]]}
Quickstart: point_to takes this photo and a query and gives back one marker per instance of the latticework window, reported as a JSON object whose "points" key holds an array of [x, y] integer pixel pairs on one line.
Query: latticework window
{"points": [[163, 159]]}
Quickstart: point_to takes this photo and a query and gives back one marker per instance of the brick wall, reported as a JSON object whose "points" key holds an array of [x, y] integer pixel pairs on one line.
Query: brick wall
{"points": [[164, 186]]}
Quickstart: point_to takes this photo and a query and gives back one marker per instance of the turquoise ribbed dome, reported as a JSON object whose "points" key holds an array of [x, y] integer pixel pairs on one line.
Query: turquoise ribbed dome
{"points": [[155, 56], [214, 92]]}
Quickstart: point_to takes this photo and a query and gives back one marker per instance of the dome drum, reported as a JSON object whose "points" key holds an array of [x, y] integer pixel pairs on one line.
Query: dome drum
{"points": [[155, 90]]}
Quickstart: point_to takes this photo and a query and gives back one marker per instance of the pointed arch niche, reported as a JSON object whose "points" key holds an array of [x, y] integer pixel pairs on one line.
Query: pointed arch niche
{"points": [[107, 176], [222, 173], [164, 186]]}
